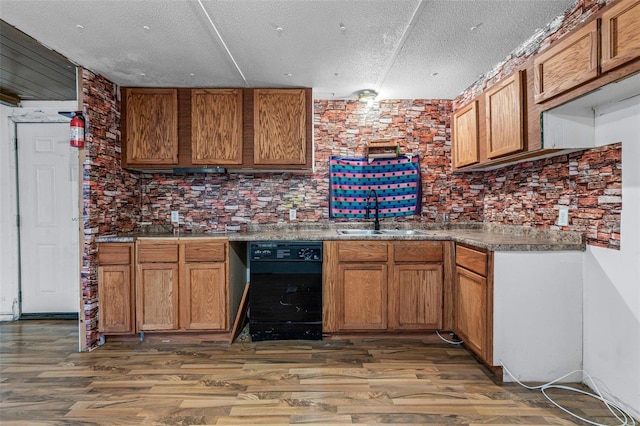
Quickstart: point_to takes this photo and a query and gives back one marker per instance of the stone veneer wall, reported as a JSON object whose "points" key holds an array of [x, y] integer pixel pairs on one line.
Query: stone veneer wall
{"points": [[587, 182], [109, 194]]}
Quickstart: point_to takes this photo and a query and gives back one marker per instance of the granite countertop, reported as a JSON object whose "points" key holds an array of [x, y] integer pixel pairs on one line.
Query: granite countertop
{"points": [[488, 236]]}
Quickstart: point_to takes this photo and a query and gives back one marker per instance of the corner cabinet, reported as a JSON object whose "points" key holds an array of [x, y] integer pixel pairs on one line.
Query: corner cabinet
{"points": [[472, 307], [280, 127], [522, 309], [466, 136], [116, 288], [216, 126], [505, 116], [378, 286], [150, 127]]}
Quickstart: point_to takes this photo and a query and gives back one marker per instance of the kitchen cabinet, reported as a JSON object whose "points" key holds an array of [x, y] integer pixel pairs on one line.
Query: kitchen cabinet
{"points": [[377, 285], [157, 285], [472, 307], [182, 285], [150, 127], [203, 286], [416, 294], [216, 126], [362, 285], [466, 136], [280, 127], [570, 63], [116, 288], [505, 116], [620, 35]]}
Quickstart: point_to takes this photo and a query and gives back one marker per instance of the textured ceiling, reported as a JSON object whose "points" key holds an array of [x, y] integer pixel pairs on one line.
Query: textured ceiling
{"points": [[401, 48]]}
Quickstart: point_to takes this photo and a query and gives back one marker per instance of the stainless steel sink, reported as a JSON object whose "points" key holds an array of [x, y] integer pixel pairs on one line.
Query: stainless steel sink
{"points": [[379, 232], [401, 232], [359, 232]]}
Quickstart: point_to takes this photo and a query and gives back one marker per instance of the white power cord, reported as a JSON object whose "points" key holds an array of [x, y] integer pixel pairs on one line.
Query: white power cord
{"points": [[624, 418], [451, 342]]}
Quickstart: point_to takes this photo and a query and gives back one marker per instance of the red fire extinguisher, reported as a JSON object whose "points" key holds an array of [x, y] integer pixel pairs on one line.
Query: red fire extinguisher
{"points": [[77, 130]]}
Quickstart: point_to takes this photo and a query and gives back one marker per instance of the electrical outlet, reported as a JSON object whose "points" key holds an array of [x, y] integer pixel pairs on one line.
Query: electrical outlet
{"points": [[563, 217], [445, 217], [175, 217], [292, 214]]}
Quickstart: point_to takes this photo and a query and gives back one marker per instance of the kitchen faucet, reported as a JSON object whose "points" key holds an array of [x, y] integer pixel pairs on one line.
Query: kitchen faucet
{"points": [[376, 223]]}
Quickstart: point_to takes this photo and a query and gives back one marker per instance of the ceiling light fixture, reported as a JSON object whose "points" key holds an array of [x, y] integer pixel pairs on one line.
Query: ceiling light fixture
{"points": [[367, 96]]}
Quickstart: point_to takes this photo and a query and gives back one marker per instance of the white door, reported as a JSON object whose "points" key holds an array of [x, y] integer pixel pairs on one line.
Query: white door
{"points": [[49, 224]]}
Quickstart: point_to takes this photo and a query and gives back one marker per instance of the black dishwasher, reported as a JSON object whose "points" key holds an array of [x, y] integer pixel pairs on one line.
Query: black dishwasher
{"points": [[285, 295]]}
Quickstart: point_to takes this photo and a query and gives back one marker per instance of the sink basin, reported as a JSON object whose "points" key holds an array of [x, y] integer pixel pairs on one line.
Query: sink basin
{"points": [[380, 232], [359, 232], [401, 232]]}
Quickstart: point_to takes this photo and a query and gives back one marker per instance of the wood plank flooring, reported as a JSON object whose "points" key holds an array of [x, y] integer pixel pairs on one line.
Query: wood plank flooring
{"points": [[45, 381]]}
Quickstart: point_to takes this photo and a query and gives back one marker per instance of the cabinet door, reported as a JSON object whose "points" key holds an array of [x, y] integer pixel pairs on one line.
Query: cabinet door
{"points": [[280, 126], [620, 35], [570, 63], [505, 117], [115, 298], [465, 136], [203, 304], [470, 310], [417, 297], [157, 296], [151, 126], [216, 126], [363, 296]]}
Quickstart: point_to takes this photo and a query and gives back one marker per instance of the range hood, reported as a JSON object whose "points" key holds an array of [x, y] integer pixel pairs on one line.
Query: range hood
{"points": [[192, 170], [572, 125]]}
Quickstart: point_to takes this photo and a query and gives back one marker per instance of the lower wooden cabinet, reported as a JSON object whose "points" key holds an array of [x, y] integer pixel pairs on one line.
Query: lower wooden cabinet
{"points": [[383, 285], [116, 289], [203, 286], [472, 306], [157, 296], [177, 285]]}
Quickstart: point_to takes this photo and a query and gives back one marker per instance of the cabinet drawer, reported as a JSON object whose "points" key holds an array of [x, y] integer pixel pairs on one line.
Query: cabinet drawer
{"points": [[417, 251], [362, 251], [114, 254], [472, 260], [161, 253], [204, 252]]}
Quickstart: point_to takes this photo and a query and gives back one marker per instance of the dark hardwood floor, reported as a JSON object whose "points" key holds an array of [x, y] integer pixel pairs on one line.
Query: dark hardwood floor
{"points": [[45, 381]]}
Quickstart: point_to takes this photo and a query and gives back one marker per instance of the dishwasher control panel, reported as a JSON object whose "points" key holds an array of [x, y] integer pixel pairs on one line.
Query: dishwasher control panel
{"points": [[309, 251]]}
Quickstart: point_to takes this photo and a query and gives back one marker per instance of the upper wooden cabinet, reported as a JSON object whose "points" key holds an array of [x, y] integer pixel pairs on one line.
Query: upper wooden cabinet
{"points": [[280, 136], [620, 34], [240, 129], [466, 136], [505, 116], [150, 126], [568, 64], [216, 126]]}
